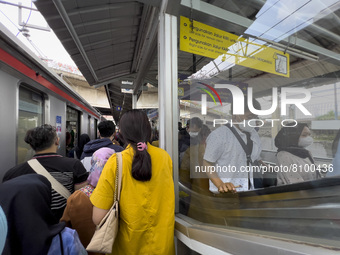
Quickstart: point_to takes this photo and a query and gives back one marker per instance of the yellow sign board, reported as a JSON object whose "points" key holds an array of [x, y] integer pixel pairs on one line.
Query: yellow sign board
{"points": [[180, 91], [204, 40]]}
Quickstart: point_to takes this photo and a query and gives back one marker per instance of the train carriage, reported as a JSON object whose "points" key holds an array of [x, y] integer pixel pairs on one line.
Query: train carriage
{"points": [[33, 94]]}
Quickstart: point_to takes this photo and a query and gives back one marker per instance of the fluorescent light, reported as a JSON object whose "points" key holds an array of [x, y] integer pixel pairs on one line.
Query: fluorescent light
{"points": [[127, 82]]}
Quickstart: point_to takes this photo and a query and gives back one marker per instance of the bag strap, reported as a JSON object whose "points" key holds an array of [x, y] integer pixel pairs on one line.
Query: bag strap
{"points": [[248, 148], [57, 186], [119, 173]]}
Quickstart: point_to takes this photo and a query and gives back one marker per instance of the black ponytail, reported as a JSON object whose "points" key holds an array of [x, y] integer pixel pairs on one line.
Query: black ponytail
{"points": [[135, 128], [141, 165]]}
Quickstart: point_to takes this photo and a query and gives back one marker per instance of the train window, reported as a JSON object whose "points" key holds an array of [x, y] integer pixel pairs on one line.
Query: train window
{"points": [[261, 97], [72, 127], [30, 116]]}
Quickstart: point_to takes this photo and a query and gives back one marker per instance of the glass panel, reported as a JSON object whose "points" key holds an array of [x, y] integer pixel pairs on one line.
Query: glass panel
{"points": [[30, 116], [271, 74]]}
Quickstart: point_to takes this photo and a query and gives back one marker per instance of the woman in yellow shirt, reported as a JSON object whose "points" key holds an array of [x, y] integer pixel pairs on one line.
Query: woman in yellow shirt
{"points": [[147, 201]]}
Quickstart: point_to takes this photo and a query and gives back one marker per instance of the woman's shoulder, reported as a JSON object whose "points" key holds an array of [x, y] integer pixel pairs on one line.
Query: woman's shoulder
{"points": [[287, 154], [285, 157], [284, 154], [220, 134], [153, 150]]}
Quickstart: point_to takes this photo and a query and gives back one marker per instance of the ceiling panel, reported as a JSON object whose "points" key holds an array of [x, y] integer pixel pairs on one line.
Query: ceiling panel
{"points": [[107, 40]]}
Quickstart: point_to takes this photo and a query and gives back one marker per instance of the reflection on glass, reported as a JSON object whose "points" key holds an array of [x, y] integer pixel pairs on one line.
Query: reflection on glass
{"points": [[72, 133], [212, 198], [305, 203], [30, 116]]}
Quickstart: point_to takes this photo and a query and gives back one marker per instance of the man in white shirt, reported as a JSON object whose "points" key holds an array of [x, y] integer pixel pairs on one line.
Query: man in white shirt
{"points": [[225, 153]]}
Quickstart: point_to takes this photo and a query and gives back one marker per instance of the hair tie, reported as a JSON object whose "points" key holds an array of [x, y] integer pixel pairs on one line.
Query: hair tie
{"points": [[141, 146]]}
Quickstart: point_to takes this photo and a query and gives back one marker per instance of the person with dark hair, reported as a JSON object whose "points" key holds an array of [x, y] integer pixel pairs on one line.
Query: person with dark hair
{"points": [[106, 132], [188, 136], [192, 158], [179, 126], [68, 171], [119, 139], [183, 141], [194, 126], [188, 158], [68, 143], [83, 139], [291, 143], [147, 200], [33, 229], [224, 149]]}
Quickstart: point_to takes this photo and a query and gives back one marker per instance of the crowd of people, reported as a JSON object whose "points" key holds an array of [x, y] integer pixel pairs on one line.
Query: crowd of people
{"points": [[228, 159], [62, 199], [57, 210]]}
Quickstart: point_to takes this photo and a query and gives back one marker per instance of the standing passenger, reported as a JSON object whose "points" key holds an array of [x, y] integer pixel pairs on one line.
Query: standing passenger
{"points": [[291, 143], [224, 150], [32, 227], [78, 212], [147, 200], [106, 130], [83, 139], [68, 171], [189, 157]]}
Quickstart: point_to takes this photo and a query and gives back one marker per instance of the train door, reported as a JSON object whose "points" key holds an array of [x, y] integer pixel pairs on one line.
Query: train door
{"points": [[95, 133], [30, 115], [72, 130]]}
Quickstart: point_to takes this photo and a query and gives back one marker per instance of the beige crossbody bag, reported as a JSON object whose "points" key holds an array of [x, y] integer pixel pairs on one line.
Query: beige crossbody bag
{"points": [[106, 232], [57, 186]]}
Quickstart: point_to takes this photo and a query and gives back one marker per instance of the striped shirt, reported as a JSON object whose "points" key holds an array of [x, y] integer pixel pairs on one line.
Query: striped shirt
{"points": [[67, 171]]}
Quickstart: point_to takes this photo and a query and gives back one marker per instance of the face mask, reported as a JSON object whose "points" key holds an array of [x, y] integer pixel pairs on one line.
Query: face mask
{"points": [[193, 134], [305, 141]]}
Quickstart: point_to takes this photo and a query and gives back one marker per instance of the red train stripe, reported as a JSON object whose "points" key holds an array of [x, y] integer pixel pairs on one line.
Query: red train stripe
{"points": [[16, 64]]}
